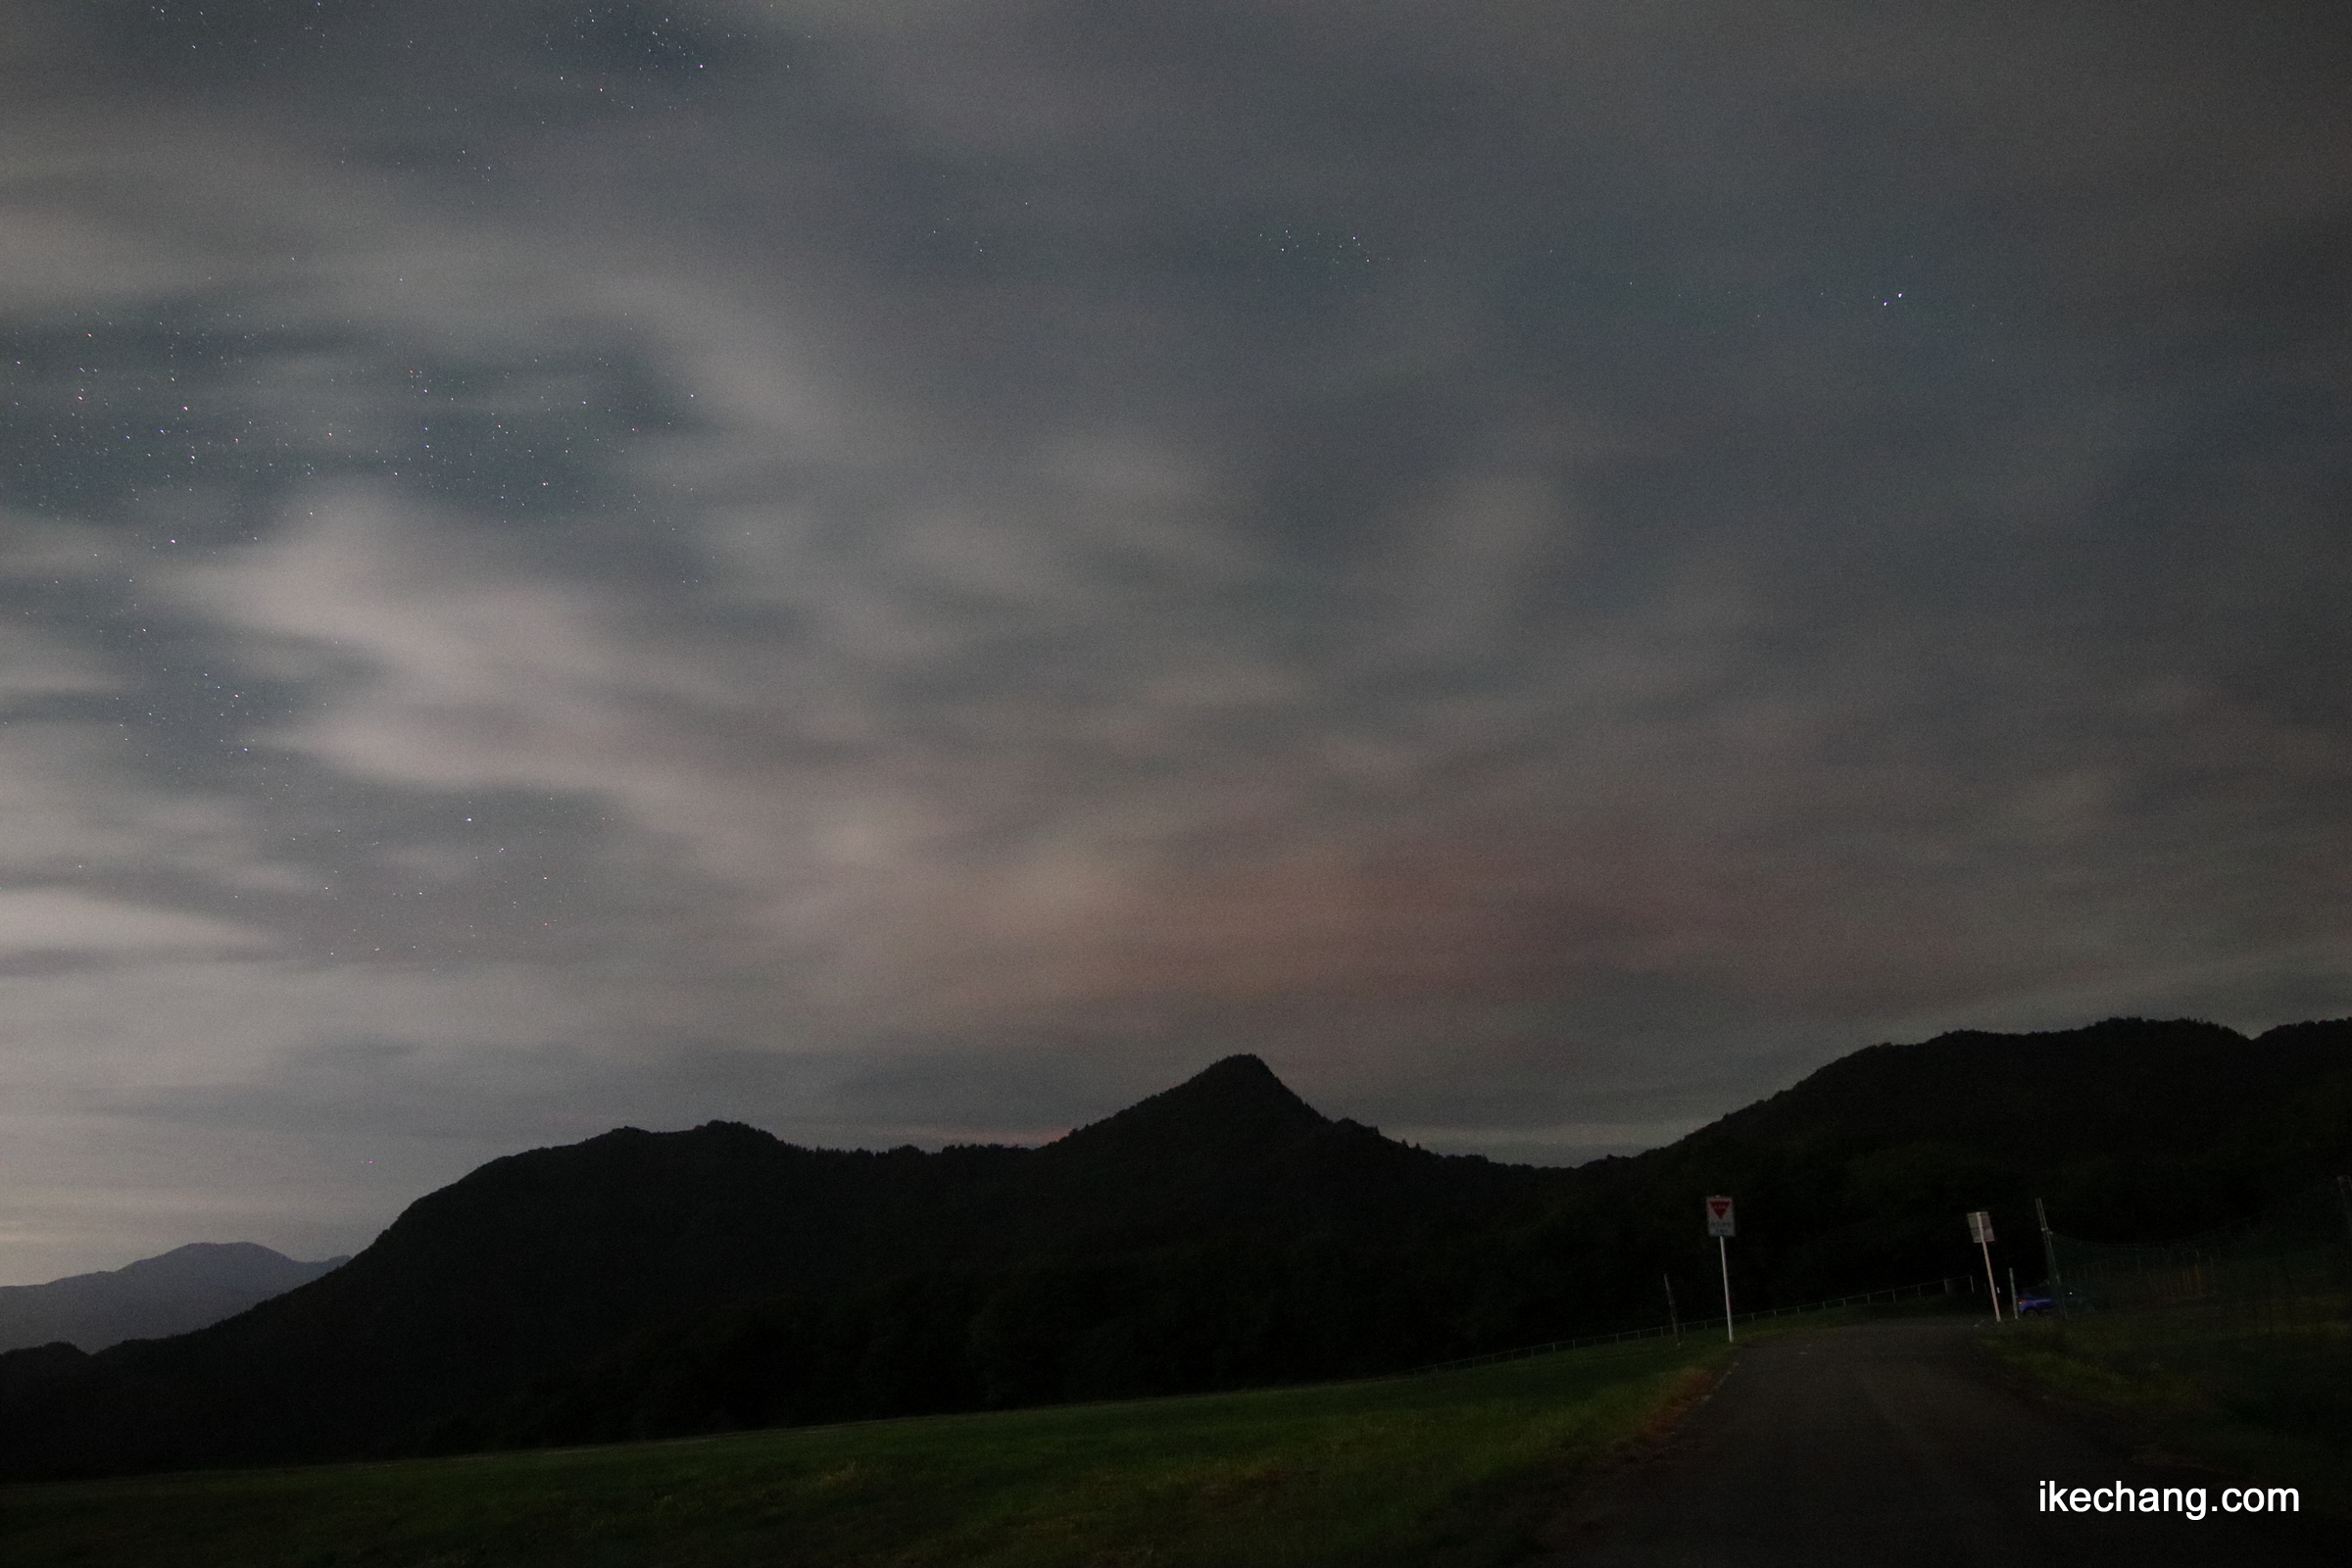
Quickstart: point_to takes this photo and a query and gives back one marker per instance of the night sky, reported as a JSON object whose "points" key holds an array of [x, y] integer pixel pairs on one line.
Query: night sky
{"points": [[916, 570]]}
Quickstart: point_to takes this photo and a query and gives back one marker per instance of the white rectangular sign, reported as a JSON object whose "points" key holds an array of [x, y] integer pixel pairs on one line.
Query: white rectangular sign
{"points": [[1980, 1226], [1719, 1217]]}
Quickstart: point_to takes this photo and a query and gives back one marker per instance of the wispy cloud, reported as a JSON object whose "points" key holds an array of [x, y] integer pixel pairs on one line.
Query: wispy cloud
{"points": [[918, 571]]}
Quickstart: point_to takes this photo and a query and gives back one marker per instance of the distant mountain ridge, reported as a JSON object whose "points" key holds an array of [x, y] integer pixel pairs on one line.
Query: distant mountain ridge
{"points": [[2121, 1088], [186, 1288], [1219, 1234]]}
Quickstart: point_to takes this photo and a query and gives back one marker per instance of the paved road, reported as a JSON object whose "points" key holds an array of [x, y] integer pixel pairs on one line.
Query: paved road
{"points": [[1894, 1443]]}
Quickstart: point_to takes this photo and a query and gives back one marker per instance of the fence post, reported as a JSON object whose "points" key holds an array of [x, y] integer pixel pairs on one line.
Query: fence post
{"points": [[2049, 1256]]}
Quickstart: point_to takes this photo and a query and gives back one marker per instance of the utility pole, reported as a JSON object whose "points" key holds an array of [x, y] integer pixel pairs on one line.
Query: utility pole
{"points": [[1673, 1317], [1979, 1231], [1721, 1225]]}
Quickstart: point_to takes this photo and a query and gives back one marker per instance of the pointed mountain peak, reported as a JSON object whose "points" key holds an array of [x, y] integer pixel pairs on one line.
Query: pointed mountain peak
{"points": [[1236, 1106], [1240, 1075]]}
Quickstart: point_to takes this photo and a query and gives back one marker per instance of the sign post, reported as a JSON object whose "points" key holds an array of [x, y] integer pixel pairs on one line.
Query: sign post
{"points": [[1979, 1231], [1721, 1225]]}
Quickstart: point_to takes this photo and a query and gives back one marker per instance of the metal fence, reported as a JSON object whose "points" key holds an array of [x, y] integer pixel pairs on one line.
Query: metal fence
{"points": [[1703, 1325], [2288, 1270]]}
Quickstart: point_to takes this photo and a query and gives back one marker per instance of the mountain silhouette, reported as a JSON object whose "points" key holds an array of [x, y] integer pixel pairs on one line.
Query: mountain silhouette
{"points": [[1232, 1112], [181, 1290], [1221, 1234], [2126, 1087]]}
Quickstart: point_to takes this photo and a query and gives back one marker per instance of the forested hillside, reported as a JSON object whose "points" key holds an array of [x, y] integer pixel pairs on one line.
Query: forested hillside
{"points": [[1221, 1234]]}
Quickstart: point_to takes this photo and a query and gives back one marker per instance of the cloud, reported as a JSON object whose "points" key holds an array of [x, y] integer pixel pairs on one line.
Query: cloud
{"points": [[921, 568], [59, 920]]}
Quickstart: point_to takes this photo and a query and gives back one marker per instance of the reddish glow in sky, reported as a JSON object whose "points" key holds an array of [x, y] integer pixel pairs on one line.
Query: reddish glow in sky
{"points": [[916, 572]]}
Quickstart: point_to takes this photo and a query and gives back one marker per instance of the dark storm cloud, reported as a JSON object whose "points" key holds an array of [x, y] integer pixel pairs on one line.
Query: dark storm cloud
{"points": [[917, 571]]}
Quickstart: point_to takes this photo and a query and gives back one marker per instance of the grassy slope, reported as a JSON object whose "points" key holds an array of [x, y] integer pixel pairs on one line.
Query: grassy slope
{"points": [[2275, 1408], [1438, 1467]]}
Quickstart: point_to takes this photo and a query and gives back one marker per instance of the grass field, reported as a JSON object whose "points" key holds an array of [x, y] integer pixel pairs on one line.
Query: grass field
{"points": [[2212, 1384], [1449, 1467]]}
